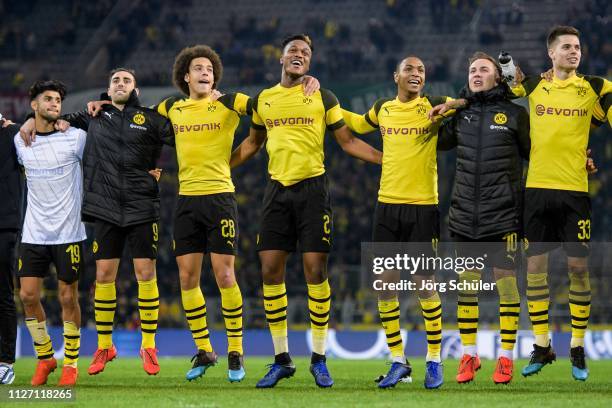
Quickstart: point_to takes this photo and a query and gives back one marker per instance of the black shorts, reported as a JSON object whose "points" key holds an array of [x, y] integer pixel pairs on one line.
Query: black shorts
{"points": [[554, 217], [297, 213], [110, 239], [34, 261], [412, 223], [502, 250], [207, 223]]}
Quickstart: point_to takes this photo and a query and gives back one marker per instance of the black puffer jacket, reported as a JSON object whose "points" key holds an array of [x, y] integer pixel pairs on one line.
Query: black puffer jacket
{"points": [[492, 136], [11, 180], [122, 146]]}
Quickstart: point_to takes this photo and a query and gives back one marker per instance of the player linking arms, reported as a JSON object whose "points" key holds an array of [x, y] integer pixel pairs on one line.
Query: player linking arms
{"points": [[558, 206], [492, 138], [407, 208], [121, 199], [52, 230], [296, 205]]}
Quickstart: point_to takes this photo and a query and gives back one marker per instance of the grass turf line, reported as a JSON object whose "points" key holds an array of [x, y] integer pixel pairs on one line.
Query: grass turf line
{"points": [[124, 383]]}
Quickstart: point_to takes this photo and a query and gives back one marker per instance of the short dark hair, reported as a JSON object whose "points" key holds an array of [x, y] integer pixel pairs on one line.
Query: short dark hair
{"points": [[41, 86], [559, 30], [294, 37], [183, 60], [122, 69], [483, 55], [399, 63]]}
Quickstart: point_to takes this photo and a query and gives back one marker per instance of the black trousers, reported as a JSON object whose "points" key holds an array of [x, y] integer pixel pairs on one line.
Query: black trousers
{"points": [[8, 314]]}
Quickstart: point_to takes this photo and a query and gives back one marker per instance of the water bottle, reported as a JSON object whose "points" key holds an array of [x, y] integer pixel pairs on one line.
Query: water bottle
{"points": [[507, 66]]}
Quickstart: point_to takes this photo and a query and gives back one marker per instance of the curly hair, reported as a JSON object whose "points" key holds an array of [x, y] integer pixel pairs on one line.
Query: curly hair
{"points": [[184, 58], [41, 86]]}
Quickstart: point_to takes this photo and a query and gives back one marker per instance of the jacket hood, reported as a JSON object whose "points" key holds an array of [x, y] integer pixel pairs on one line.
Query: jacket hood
{"points": [[499, 92]]}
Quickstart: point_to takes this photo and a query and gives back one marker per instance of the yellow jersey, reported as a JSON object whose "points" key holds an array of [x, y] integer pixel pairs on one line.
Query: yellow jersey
{"points": [[409, 164], [204, 135], [295, 126], [560, 115]]}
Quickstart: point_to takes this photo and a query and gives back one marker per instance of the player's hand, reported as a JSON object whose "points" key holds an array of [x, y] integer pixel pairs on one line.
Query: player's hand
{"points": [[62, 125], [590, 164], [310, 85], [27, 131], [6, 123], [548, 75], [519, 77], [215, 94], [437, 112], [156, 173], [95, 107]]}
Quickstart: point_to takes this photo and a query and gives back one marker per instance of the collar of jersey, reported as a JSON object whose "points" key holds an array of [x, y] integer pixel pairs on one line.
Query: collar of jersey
{"points": [[207, 99], [562, 83], [279, 86], [411, 103], [46, 133]]}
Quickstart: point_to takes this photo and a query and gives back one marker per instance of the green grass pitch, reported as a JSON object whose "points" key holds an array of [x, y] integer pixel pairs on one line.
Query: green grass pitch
{"points": [[124, 384]]}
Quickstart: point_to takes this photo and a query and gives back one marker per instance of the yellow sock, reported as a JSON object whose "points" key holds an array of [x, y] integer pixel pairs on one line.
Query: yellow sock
{"points": [[148, 307], [467, 311], [319, 304], [231, 304], [580, 306], [105, 303], [275, 306], [432, 315], [509, 311], [72, 344], [538, 302], [195, 311], [389, 311], [40, 338]]}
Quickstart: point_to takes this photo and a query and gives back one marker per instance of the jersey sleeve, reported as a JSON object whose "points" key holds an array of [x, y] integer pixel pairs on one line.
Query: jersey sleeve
{"points": [[238, 102], [256, 121], [79, 120], [357, 123], [526, 87], [333, 113], [163, 108], [19, 145]]}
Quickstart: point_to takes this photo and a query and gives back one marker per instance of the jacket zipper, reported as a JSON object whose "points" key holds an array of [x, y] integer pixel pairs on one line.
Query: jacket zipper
{"points": [[121, 167], [477, 181]]}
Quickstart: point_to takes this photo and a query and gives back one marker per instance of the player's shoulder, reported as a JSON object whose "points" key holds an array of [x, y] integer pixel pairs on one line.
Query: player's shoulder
{"points": [[380, 102], [329, 98], [76, 132], [435, 100], [170, 102], [229, 100], [596, 83]]}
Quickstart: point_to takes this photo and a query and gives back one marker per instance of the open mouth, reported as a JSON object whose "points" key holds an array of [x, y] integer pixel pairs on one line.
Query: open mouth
{"points": [[297, 63], [477, 82], [204, 81], [414, 82], [573, 60]]}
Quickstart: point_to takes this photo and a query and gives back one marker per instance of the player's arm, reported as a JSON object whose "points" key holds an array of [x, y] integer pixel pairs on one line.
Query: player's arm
{"points": [[249, 146], [445, 108], [79, 120], [447, 134], [361, 124], [522, 133], [356, 147]]}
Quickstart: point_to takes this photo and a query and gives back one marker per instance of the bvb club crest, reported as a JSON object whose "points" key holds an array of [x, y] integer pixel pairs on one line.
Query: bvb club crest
{"points": [[212, 107], [421, 110], [500, 118], [582, 91], [138, 118]]}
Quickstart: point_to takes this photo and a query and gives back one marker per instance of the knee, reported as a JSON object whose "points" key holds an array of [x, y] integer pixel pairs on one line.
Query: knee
{"points": [[145, 273], [187, 279], [225, 278], [315, 272], [67, 298], [28, 298], [105, 274]]}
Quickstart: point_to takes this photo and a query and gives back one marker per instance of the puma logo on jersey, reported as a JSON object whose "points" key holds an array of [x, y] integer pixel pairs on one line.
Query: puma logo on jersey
{"points": [[267, 104], [468, 118], [109, 114], [546, 89]]}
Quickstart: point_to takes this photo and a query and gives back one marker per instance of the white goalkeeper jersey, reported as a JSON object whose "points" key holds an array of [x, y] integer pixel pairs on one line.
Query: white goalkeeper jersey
{"points": [[55, 187]]}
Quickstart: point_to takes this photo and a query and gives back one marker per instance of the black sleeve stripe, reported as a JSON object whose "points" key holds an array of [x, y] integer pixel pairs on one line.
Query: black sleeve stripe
{"points": [[367, 118], [379, 103], [435, 100], [329, 99], [531, 83], [249, 107], [257, 127], [597, 83], [228, 101], [254, 102], [336, 126], [606, 102], [169, 102]]}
